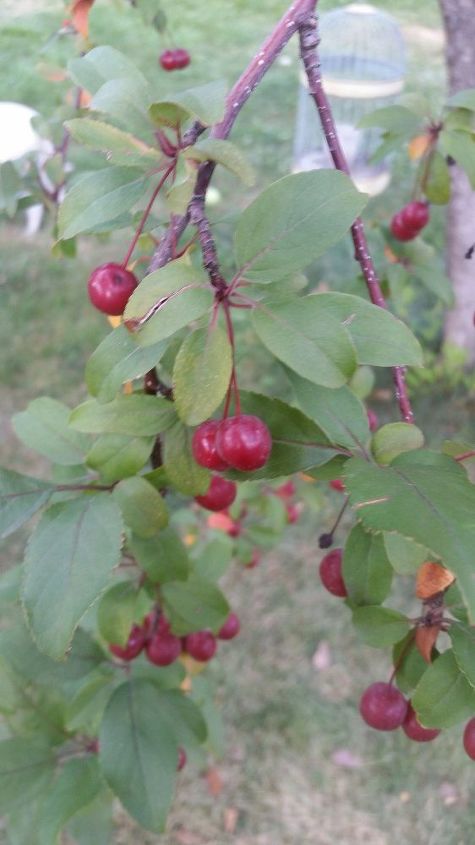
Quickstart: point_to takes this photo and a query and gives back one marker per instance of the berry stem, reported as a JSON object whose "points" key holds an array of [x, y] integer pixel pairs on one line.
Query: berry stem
{"points": [[309, 40], [233, 380], [466, 455], [339, 516], [146, 213]]}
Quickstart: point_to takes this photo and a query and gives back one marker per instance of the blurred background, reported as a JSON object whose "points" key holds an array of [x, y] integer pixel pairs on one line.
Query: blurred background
{"points": [[297, 764]]}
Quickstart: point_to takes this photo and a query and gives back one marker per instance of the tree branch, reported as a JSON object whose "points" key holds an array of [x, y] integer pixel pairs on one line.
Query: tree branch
{"points": [[309, 41]]}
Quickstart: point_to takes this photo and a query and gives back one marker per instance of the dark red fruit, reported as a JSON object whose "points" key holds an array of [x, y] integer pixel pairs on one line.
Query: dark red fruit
{"points": [[163, 648], [337, 484], [110, 287], [182, 58], [93, 746], [416, 215], [201, 645], [174, 59], [373, 421], [330, 573], [414, 730], [204, 446], [230, 629], [400, 230], [469, 738], [244, 442], [181, 759], [134, 645], [383, 707], [285, 491], [221, 494]]}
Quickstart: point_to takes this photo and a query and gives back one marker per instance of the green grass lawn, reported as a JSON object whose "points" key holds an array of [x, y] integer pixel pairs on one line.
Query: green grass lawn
{"points": [[299, 768]]}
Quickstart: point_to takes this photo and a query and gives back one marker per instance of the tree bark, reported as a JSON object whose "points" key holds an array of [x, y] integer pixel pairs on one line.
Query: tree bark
{"points": [[459, 22]]}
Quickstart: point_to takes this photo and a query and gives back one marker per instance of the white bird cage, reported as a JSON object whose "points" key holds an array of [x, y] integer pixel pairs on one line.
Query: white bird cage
{"points": [[362, 56]]}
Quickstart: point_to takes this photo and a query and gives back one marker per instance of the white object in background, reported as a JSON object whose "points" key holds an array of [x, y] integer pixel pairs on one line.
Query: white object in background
{"points": [[17, 139]]}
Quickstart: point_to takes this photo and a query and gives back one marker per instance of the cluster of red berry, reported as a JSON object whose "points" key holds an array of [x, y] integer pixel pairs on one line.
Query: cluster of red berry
{"points": [[410, 221], [241, 442], [174, 59]]}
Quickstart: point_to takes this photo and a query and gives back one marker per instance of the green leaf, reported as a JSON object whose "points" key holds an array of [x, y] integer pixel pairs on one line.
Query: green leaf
{"points": [[193, 605], [173, 313], [380, 338], [308, 340], [68, 563], [10, 581], [120, 147], [85, 710], [101, 64], [463, 644], [339, 413], [214, 558], [180, 466], [163, 558], [19, 650], [394, 439], [367, 572], [44, 426], [20, 497], [436, 281], [410, 663], [201, 374], [362, 382], [426, 497], [203, 102], [135, 736], [463, 99], [94, 822], [143, 508], [75, 787], [10, 187], [116, 360], [398, 119], [160, 284], [404, 554], [443, 696], [135, 414], [298, 444], [294, 221], [437, 185], [26, 768], [379, 626], [225, 153], [119, 607], [116, 456], [98, 197], [461, 146]]}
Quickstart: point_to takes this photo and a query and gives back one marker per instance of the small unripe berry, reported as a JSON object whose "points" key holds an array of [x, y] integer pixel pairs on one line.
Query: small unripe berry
{"points": [[330, 573], [338, 485], [383, 707], [469, 738], [110, 287], [325, 541], [201, 645], [244, 442], [219, 496]]}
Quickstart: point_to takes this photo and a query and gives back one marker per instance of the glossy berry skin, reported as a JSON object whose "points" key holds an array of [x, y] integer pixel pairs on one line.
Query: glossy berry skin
{"points": [[400, 230], [244, 442], [203, 446], [181, 759], [174, 59], [230, 629], [163, 649], [469, 738], [414, 730], [110, 287], [201, 645], [383, 707], [416, 215], [220, 495], [134, 645], [373, 421], [338, 485], [330, 573], [182, 58]]}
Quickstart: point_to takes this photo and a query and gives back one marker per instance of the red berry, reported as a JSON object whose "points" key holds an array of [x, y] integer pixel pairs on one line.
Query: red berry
{"points": [[201, 645], [163, 648], [383, 707], [400, 230], [110, 287], [293, 514], [204, 446], [330, 573], [337, 484], [244, 442], [413, 728], [181, 759], [469, 738], [415, 215], [133, 646], [230, 629], [182, 58], [285, 491], [167, 60], [373, 421], [221, 494], [93, 746]]}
